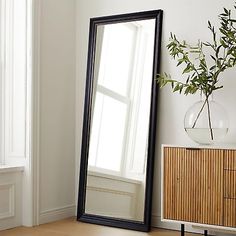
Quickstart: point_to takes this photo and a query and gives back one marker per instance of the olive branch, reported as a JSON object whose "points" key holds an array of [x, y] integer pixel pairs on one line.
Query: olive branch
{"points": [[203, 74]]}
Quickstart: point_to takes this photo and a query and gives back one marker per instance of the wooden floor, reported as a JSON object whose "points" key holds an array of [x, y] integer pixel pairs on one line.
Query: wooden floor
{"points": [[70, 227]]}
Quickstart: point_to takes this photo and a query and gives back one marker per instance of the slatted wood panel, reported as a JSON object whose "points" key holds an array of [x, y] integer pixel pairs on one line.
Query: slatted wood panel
{"points": [[230, 184], [193, 185], [230, 160], [230, 188], [230, 212]]}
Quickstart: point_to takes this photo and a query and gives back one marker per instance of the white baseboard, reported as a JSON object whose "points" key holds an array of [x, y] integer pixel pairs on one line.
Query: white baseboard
{"points": [[8, 225], [56, 214]]}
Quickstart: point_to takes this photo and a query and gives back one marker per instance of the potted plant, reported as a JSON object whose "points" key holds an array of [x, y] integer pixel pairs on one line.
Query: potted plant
{"points": [[202, 73]]}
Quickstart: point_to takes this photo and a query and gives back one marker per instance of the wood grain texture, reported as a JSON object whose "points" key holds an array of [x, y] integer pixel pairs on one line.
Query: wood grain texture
{"points": [[230, 184], [70, 227], [193, 185], [230, 212], [230, 160], [230, 188]]}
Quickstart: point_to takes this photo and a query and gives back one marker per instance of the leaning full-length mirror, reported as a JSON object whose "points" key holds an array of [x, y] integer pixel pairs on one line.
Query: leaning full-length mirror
{"points": [[119, 120]]}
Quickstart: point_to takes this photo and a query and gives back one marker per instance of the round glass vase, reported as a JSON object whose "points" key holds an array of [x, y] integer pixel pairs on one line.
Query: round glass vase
{"points": [[206, 121]]}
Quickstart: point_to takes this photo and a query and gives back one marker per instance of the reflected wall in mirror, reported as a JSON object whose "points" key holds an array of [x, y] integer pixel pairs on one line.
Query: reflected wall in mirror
{"points": [[119, 120]]}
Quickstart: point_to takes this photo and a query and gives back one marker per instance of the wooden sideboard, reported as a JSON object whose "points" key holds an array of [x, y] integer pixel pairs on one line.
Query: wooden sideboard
{"points": [[199, 186]]}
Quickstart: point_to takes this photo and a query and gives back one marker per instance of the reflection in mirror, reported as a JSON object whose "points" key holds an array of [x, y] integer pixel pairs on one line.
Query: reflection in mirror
{"points": [[120, 119]]}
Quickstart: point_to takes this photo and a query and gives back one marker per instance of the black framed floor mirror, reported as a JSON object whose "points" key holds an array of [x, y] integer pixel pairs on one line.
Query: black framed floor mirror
{"points": [[119, 124]]}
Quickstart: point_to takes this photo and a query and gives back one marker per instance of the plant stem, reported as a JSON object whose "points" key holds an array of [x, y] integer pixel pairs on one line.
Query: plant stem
{"points": [[199, 113], [209, 118]]}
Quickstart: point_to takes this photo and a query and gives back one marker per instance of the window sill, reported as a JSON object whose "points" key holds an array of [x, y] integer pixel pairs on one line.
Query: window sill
{"points": [[114, 177], [9, 169]]}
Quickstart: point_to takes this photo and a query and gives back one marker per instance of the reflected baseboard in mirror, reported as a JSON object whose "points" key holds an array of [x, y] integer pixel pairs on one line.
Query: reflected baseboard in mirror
{"points": [[118, 140]]}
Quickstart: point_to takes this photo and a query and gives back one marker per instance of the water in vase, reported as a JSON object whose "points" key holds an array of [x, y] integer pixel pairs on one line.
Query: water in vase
{"points": [[203, 135]]}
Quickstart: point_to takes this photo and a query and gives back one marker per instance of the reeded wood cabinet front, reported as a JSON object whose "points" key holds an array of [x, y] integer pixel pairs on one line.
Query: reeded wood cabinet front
{"points": [[199, 185], [230, 188]]}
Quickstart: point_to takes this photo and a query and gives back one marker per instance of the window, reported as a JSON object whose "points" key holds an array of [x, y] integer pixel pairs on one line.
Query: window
{"points": [[14, 74], [112, 97], [121, 97]]}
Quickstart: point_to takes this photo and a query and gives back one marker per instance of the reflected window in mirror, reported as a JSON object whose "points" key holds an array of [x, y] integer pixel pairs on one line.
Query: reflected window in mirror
{"points": [[123, 74]]}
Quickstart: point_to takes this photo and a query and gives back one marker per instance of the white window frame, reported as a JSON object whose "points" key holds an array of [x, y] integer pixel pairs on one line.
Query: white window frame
{"points": [[130, 112], [145, 37], [1, 85], [10, 155], [30, 161]]}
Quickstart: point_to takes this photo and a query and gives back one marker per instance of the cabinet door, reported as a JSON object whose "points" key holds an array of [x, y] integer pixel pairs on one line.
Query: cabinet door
{"points": [[193, 185], [230, 188], [230, 212]]}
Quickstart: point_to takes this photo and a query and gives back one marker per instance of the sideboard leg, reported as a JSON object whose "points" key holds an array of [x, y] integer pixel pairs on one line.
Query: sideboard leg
{"points": [[205, 233], [182, 229]]}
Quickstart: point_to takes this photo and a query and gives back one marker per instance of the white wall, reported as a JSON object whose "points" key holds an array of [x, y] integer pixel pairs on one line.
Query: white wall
{"points": [[188, 19], [57, 117]]}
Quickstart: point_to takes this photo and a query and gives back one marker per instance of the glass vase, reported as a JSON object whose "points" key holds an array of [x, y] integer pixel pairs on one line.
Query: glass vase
{"points": [[206, 121]]}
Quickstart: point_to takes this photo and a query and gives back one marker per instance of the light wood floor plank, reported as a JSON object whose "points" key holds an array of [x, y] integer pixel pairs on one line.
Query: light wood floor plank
{"points": [[70, 227]]}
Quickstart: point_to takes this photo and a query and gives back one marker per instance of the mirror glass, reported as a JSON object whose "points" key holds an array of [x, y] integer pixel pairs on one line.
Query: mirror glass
{"points": [[120, 114]]}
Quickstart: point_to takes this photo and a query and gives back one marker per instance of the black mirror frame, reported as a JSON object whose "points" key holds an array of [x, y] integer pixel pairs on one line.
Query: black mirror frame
{"points": [[110, 221]]}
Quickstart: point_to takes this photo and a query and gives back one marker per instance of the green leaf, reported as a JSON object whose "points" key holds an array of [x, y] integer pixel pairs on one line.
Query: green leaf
{"points": [[187, 81], [223, 43], [212, 68], [187, 69], [186, 92], [223, 14], [213, 58], [232, 20], [216, 88], [181, 89], [180, 61], [218, 50], [209, 24], [226, 11], [207, 44], [176, 88], [218, 63]]}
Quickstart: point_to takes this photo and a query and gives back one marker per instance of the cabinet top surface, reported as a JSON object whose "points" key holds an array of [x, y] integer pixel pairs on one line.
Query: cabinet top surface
{"points": [[226, 146]]}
